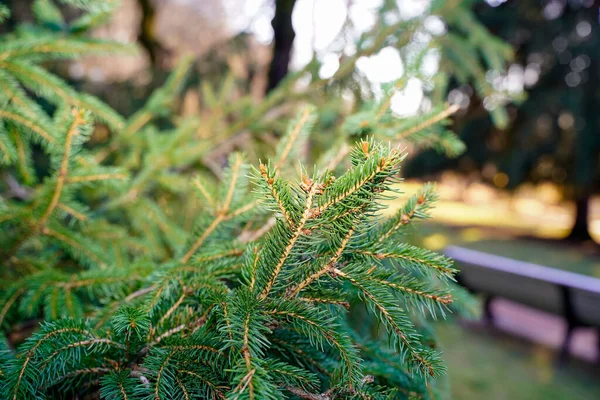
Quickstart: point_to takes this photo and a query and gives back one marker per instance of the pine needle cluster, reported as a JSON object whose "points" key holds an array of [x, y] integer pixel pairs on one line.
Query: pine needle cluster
{"points": [[163, 265]]}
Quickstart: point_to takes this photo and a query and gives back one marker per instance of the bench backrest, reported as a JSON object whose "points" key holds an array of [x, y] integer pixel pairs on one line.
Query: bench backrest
{"points": [[530, 284]]}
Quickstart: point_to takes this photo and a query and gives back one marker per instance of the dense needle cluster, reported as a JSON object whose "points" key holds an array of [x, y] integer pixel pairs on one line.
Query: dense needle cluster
{"points": [[153, 267], [249, 312]]}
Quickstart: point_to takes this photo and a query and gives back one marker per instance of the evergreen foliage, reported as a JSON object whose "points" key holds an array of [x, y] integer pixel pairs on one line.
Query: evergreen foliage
{"points": [[164, 270]]}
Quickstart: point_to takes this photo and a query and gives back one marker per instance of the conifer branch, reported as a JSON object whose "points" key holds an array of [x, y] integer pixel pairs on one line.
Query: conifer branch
{"points": [[222, 213], [72, 212], [292, 241], [16, 97], [246, 353], [23, 158], [95, 178], [96, 370], [137, 122], [248, 237], [385, 105], [338, 157], [252, 272], [344, 304], [123, 392], [60, 47], [248, 304], [186, 395], [349, 362], [429, 122], [127, 300], [392, 322], [9, 302], [214, 388], [72, 243], [434, 262], [303, 394], [82, 343], [10, 115], [184, 348], [276, 196], [235, 170], [218, 256], [160, 374], [173, 331], [244, 383], [64, 165], [179, 328], [416, 207], [304, 118], [219, 218], [43, 82], [172, 309], [444, 299], [207, 196], [243, 209], [6, 153], [383, 165], [31, 353], [227, 321], [327, 268]]}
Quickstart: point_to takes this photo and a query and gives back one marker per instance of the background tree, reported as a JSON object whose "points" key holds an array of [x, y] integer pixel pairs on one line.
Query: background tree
{"points": [[283, 41], [555, 133]]}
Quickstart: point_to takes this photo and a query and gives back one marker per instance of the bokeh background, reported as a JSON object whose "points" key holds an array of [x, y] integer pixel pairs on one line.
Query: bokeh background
{"points": [[526, 188]]}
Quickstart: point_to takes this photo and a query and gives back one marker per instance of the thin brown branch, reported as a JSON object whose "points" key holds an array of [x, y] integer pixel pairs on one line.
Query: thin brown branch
{"points": [[295, 236], [429, 122], [328, 267]]}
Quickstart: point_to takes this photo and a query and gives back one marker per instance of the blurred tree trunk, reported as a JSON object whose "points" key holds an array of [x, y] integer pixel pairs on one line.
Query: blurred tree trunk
{"points": [[284, 35], [146, 37], [581, 229], [586, 155]]}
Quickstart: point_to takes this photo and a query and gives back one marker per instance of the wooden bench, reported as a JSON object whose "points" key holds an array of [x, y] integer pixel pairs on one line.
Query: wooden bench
{"points": [[573, 296]]}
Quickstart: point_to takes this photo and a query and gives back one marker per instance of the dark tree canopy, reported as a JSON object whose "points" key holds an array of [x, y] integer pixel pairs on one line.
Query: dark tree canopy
{"points": [[554, 134]]}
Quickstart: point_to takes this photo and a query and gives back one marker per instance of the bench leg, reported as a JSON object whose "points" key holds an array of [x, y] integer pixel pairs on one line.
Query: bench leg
{"points": [[598, 346], [563, 356], [488, 315]]}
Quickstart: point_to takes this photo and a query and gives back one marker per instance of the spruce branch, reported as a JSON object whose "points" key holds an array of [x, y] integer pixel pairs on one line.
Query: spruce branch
{"points": [[310, 323], [32, 347], [303, 394], [356, 179], [298, 130], [412, 257], [408, 287], [8, 303], [204, 192], [14, 116], [58, 47], [298, 231], [55, 89], [416, 207], [425, 123], [222, 212], [95, 178], [62, 172], [217, 390], [423, 360], [329, 266]]}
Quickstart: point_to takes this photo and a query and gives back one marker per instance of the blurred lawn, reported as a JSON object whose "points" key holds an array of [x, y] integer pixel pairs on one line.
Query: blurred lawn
{"points": [[496, 367]]}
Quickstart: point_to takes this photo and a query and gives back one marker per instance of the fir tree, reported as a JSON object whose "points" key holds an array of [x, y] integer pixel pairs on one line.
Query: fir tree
{"points": [[163, 271]]}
